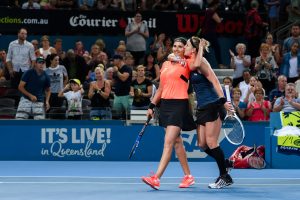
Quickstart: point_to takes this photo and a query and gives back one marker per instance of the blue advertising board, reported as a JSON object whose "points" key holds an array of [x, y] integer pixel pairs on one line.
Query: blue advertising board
{"points": [[99, 141]]}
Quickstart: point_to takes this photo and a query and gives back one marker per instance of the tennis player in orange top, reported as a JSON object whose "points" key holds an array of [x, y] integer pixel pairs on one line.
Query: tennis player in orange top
{"points": [[175, 114]]}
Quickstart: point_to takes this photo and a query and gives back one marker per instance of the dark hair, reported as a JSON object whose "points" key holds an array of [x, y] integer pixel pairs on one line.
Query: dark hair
{"points": [[180, 39]]}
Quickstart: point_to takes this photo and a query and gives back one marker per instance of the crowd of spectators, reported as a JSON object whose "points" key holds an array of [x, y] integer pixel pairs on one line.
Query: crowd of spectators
{"points": [[143, 5], [112, 85]]}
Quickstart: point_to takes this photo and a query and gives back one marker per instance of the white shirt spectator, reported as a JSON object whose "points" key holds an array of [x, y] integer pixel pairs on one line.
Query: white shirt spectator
{"points": [[20, 55], [31, 5]]}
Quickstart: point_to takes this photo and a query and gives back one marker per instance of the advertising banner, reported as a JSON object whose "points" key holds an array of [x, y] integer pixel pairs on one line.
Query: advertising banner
{"points": [[96, 141], [74, 22]]}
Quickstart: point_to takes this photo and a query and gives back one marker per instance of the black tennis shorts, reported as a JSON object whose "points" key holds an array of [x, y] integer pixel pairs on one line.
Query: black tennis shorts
{"points": [[176, 112], [210, 113]]}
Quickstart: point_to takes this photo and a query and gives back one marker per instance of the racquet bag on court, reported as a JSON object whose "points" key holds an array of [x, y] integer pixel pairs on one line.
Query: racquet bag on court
{"points": [[248, 157]]}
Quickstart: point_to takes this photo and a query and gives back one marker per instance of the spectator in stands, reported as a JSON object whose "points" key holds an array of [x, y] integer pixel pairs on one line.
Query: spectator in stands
{"points": [[295, 36], [79, 48], [51, 5], [265, 66], [164, 51], [162, 5], [102, 4], [293, 11], [254, 29], [95, 57], [158, 43], [253, 85], [121, 50], [109, 74], [283, 12], [275, 48], [137, 33], [245, 84], [289, 102], [30, 4], [259, 109], [99, 93], [117, 5], [239, 63], [35, 44], [3, 66], [122, 80], [46, 49], [73, 92], [20, 57], [59, 49], [86, 4], [273, 13], [279, 90], [75, 65], [227, 81], [58, 80], [129, 60], [130, 5], [290, 66], [66, 4], [209, 31], [237, 104], [152, 66], [35, 89], [141, 90]]}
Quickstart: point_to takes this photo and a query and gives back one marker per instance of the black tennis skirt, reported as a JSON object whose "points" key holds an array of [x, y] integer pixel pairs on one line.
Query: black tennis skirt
{"points": [[209, 113], [176, 112]]}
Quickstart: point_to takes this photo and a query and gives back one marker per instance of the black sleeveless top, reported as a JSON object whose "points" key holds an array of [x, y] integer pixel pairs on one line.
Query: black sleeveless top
{"points": [[98, 101]]}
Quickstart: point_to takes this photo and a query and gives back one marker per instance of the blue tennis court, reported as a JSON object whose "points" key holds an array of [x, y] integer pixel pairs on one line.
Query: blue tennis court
{"points": [[41, 180]]}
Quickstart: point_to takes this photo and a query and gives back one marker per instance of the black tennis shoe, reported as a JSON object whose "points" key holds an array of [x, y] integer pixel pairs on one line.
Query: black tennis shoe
{"points": [[222, 181]]}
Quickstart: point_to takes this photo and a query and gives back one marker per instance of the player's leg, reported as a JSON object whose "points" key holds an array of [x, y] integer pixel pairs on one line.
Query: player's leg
{"points": [[172, 133], [188, 179]]}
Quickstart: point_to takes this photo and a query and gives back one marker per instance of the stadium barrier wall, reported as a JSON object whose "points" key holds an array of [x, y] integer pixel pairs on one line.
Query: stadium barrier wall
{"points": [[274, 158], [53, 140]]}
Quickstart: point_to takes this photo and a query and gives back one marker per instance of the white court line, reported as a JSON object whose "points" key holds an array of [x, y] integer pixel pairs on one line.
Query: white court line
{"points": [[120, 183], [124, 177]]}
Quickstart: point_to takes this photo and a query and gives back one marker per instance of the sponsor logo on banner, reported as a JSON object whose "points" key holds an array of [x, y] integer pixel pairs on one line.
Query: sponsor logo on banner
{"points": [[82, 142], [191, 145]]}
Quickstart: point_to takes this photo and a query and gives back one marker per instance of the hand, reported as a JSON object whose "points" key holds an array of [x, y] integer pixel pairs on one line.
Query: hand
{"points": [[116, 69], [228, 106], [33, 98], [281, 101], [67, 87], [150, 112], [231, 53], [47, 106]]}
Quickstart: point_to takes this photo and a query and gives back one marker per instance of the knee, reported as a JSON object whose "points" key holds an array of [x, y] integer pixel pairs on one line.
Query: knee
{"points": [[202, 145]]}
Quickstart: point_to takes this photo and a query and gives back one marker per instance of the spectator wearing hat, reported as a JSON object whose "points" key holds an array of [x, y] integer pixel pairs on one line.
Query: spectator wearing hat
{"points": [[34, 86], [122, 80], [73, 92]]}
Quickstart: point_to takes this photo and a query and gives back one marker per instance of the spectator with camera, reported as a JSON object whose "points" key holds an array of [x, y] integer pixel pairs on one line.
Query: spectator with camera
{"points": [[265, 68]]}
